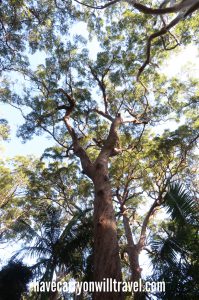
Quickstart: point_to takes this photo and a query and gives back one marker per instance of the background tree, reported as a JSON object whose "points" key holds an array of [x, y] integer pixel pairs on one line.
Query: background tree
{"points": [[62, 248], [4, 129], [56, 232], [14, 278], [174, 248], [12, 184]]}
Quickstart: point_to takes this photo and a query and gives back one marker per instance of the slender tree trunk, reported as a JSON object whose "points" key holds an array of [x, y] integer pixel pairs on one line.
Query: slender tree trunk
{"points": [[136, 271], [106, 249], [133, 254], [54, 296]]}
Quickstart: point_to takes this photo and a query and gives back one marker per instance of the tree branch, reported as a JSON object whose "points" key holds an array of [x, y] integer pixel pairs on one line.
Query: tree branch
{"points": [[192, 5], [160, 11], [111, 140], [127, 228], [154, 35], [145, 224], [134, 121], [100, 6], [103, 114], [102, 86], [78, 149]]}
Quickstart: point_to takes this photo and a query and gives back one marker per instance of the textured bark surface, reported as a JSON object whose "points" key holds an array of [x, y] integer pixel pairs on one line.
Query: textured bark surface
{"points": [[106, 249]]}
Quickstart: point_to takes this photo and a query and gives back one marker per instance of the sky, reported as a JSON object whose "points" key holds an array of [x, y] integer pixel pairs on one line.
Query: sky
{"points": [[184, 63]]}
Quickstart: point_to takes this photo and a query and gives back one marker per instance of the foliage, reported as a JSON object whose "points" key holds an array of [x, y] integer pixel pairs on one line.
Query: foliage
{"points": [[182, 207], [13, 181], [4, 129], [59, 247], [175, 250]]}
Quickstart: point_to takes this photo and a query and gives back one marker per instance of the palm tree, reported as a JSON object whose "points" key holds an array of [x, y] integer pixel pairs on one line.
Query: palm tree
{"points": [[175, 255], [60, 250]]}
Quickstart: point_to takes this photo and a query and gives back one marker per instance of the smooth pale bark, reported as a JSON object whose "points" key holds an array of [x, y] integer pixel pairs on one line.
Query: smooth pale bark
{"points": [[136, 270], [133, 251]]}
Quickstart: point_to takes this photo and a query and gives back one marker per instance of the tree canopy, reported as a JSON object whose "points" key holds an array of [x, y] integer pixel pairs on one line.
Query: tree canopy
{"points": [[124, 134]]}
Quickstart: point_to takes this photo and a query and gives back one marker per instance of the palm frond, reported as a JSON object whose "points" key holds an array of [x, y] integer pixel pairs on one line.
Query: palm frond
{"points": [[181, 205], [32, 251]]}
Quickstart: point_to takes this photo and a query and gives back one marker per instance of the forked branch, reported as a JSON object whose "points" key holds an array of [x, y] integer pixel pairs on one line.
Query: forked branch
{"points": [[78, 149]]}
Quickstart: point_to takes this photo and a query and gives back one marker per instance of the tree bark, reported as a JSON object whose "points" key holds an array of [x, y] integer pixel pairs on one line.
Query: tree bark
{"points": [[106, 249], [136, 271], [133, 251]]}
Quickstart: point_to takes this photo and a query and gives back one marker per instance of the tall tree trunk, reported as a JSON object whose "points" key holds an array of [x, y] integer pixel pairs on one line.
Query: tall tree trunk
{"points": [[106, 249]]}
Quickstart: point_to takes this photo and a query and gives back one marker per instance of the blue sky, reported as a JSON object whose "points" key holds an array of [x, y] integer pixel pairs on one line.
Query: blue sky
{"points": [[14, 146]]}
